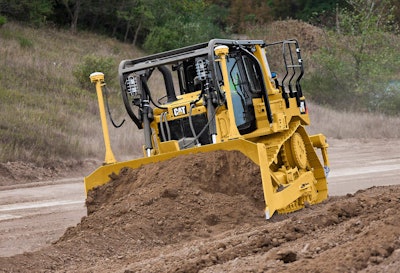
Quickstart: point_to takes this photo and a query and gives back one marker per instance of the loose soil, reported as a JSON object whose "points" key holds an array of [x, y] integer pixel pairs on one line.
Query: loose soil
{"points": [[204, 213], [13, 174]]}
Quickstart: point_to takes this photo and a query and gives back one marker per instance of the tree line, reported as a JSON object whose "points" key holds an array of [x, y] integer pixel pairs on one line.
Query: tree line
{"points": [[159, 25], [354, 67]]}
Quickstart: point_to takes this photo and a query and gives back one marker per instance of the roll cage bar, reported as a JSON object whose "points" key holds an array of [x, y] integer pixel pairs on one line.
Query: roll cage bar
{"points": [[127, 67]]}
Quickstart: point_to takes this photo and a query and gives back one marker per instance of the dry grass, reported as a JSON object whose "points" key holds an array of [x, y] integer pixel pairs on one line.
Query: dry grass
{"points": [[46, 116], [342, 124], [45, 113]]}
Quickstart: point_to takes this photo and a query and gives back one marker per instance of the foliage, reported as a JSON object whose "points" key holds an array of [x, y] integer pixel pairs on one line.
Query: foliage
{"points": [[45, 114], [359, 60], [136, 14], [181, 23], [3, 20], [244, 17], [388, 100], [25, 42], [141, 22], [93, 63], [35, 12], [321, 12]]}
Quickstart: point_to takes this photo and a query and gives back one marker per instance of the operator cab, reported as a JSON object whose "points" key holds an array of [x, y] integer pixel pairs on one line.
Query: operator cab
{"points": [[195, 71], [245, 85]]}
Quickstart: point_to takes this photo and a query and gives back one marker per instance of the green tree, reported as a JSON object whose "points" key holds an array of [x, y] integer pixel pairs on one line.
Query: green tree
{"points": [[32, 11], [93, 63], [73, 8], [137, 16], [246, 15], [3, 20], [359, 58], [180, 23], [321, 12], [283, 9]]}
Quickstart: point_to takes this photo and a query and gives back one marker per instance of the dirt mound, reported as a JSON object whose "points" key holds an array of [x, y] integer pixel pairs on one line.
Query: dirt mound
{"points": [[204, 213], [188, 197], [18, 172], [310, 37]]}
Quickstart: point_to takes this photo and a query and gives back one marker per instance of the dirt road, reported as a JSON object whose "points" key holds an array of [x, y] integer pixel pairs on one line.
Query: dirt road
{"points": [[32, 217], [360, 164]]}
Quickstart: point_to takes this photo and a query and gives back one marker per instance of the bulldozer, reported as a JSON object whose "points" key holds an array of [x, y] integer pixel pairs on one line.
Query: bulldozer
{"points": [[223, 95]]}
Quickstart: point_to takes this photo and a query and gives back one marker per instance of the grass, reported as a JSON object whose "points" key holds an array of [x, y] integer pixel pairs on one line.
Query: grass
{"points": [[47, 116], [341, 125]]}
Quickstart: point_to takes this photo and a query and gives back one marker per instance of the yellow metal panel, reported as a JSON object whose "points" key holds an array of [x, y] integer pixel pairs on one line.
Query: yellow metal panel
{"points": [[168, 146]]}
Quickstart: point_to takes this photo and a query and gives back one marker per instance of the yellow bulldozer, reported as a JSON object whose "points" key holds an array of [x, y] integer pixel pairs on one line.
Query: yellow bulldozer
{"points": [[222, 95]]}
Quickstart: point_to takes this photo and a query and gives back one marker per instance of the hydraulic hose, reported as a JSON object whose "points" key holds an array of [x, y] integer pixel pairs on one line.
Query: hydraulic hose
{"points": [[205, 126], [191, 124], [109, 111]]}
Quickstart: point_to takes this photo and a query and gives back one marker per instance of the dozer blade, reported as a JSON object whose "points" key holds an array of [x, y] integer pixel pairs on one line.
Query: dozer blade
{"points": [[277, 198]]}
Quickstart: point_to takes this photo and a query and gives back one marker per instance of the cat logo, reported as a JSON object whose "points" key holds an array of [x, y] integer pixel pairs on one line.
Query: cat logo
{"points": [[181, 110]]}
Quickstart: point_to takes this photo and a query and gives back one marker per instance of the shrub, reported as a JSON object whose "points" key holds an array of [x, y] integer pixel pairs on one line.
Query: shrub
{"points": [[92, 63], [3, 20], [25, 42], [357, 63]]}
